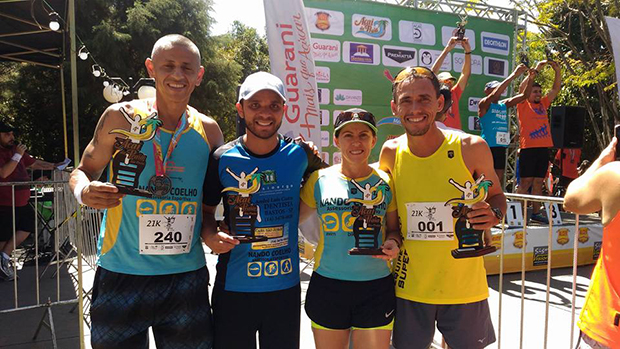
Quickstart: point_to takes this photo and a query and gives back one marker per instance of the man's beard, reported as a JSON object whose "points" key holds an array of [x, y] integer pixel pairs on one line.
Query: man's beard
{"points": [[7, 145], [263, 136]]}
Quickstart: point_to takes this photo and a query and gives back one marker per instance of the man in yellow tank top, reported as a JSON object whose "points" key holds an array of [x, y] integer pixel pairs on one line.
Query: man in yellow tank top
{"points": [[599, 320], [432, 169]]}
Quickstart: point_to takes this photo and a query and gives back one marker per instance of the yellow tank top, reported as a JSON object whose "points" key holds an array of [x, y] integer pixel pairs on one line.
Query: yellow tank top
{"points": [[425, 270]]}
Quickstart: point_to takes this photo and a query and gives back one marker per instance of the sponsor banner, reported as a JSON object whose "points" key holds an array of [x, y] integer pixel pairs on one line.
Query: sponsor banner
{"points": [[325, 50], [614, 31], [448, 32], [324, 117], [472, 104], [325, 21], [348, 97], [371, 27], [360, 53], [495, 43], [291, 55], [428, 57], [458, 59], [323, 75], [398, 56], [325, 138], [541, 255], [416, 33], [323, 95], [337, 158], [495, 67], [473, 123]]}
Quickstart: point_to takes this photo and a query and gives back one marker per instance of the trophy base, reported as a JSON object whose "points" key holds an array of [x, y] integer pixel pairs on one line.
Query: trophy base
{"points": [[246, 239], [468, 253], [135, 191], [366, 252]]}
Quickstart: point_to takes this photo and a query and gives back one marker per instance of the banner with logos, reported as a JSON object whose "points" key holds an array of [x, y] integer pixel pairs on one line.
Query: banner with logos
{"points": [[290, 53], [358, 45], [613, 24]]}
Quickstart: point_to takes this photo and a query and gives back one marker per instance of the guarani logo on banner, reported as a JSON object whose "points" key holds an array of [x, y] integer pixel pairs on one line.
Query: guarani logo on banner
{"points": [[326, 50], [371, 27], [396, 56], [495, 43], [360, 53], [325, 21], [416, 33]]}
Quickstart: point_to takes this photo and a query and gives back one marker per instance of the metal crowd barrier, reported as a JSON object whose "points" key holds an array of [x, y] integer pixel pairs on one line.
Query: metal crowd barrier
{"points": [[526, 199], [55, 244]]}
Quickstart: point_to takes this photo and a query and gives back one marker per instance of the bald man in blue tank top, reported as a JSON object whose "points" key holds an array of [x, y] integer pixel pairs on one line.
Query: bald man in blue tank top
{"points": [[151, 265]]}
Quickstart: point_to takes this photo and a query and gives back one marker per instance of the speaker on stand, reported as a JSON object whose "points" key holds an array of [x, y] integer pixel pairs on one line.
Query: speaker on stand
{"points": [[567, 125]]}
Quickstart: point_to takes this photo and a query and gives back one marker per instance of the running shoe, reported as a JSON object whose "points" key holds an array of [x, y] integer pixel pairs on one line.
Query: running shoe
{"points": [[6, 270]]}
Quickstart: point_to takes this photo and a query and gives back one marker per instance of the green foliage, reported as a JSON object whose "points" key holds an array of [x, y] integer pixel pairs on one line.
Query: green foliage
{"points": [[577, 34], [120, 35]]}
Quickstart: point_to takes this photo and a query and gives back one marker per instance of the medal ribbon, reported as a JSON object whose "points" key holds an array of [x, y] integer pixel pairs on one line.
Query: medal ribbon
{"points": [[161, 162]]}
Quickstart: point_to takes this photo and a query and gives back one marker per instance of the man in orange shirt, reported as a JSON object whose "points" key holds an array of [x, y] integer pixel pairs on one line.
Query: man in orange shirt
{"points": [[452, 117], [535, 137], [597, 190], [568, 161]]}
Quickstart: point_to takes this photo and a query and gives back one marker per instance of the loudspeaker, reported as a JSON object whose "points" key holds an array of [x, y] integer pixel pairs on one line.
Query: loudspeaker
{"points": [[567, 124]]}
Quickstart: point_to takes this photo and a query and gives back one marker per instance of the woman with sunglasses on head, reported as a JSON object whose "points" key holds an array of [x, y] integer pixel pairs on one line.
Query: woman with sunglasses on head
{"points": [[351, 292]]}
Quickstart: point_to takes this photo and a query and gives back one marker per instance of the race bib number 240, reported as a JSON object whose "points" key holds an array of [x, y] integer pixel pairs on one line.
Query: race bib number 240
{"points": [[166, 234]]}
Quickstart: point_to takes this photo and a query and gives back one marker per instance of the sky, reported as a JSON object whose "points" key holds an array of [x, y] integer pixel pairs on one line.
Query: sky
{"points": [[253, 14]]}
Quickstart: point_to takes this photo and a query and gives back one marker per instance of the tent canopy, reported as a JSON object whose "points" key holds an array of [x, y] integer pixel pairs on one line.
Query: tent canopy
{"points": [[25, 35]]}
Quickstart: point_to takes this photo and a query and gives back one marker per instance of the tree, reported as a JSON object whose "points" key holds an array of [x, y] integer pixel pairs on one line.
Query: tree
{"points": [[579, 39], [119, 35]]}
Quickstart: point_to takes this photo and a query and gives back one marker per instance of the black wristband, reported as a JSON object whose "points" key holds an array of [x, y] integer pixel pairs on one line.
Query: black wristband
{"points": [[467, 53]]}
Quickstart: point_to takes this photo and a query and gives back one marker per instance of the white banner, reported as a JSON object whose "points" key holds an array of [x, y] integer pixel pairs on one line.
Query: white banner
{"points": [[614, 31], [290, 52]]}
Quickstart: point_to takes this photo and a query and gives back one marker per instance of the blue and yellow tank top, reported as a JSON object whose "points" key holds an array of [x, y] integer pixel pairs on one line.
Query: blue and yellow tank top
{"points": [[148, 235], [345, 205], [427, 192], [494, 125]]}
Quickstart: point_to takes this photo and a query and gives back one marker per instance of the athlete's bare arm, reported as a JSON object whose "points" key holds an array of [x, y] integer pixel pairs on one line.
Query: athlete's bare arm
{"points": [[584, 194], [388, 154], [479, 161], [95, 158]]}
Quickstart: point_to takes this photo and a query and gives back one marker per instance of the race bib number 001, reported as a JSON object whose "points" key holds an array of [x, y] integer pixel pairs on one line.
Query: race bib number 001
{"points": [[164, 234], [429, 221]]}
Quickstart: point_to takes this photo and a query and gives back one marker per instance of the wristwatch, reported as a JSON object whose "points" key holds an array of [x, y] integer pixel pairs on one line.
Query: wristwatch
{"points": [[497, 213]]}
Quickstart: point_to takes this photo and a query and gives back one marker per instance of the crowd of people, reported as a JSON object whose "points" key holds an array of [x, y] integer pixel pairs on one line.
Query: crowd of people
{"points": [[169, 170]]}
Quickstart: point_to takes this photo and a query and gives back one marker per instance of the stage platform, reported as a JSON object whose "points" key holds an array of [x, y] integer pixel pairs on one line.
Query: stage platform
{"points": [[537, 254]]}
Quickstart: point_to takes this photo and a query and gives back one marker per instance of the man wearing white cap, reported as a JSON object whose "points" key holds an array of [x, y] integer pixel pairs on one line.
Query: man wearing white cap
{"points": [[493, 115], [258, 175], [453, 116]]}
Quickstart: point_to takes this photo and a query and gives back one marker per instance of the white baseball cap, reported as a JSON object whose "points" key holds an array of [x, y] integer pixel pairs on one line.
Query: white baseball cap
{"points": [[261, 81]]}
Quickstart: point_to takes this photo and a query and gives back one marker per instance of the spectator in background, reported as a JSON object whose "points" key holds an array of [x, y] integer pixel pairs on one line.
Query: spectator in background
{"points": [[493, 115], [598, 190], [535, 137], [14, 160], [453, 117], [568, 160]]}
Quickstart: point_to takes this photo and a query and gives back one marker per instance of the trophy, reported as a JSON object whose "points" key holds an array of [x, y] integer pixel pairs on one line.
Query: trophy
{"points": [[127, 165], [523, 59], [460, 31], [366, 231], [244, 213], [471, 242]]}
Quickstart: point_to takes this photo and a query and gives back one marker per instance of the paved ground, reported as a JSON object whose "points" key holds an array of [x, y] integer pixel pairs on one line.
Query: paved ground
{"points": [[18, 328]]}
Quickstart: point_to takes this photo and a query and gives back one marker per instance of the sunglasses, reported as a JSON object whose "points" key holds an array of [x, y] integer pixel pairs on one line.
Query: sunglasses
{"points": [[347, 116], [414, 71]]}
